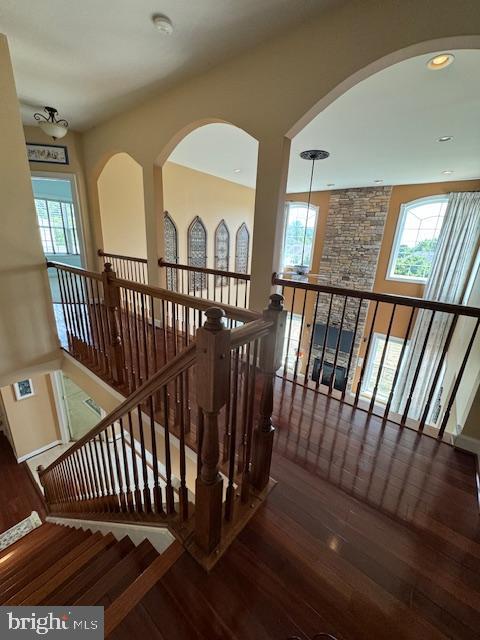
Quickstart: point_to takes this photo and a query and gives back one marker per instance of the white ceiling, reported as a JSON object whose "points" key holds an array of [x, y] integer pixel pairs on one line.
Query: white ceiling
{"points": [[93, 58], [220, 149], [385, 128]]}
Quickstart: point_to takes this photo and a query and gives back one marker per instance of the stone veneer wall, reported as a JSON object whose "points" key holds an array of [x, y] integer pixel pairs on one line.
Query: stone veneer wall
{"points": [[353, 236]]}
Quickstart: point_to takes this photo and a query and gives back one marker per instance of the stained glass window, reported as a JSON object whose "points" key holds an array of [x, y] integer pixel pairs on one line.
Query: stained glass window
{"points": [[241, 249], [197, 253], [171, 249], [222, 252]]}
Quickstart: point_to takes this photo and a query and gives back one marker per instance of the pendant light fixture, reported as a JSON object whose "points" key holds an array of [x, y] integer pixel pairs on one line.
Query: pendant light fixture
{"points": [[50, 124], [313, 155]]}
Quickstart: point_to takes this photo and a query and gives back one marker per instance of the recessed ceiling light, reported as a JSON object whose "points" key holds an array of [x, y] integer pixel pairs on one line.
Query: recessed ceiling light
{"points": [[237, 170], [445, 139], [331, 184], [441, 61], [163, 24], [378, 181], [447, 172]]}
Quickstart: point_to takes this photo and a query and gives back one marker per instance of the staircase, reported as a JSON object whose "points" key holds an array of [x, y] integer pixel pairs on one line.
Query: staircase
{"points": [[60, 565]]}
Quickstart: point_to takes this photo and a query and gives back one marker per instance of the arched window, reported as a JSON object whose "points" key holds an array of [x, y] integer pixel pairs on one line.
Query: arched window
{"points": [[222, 251], [242, 243], [197, 252], [416, 238], [171, 249]]}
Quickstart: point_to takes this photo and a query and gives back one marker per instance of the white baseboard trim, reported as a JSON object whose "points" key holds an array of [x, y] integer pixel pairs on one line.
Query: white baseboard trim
{"points": [[159, 536], [466, 443], [32, 454]]}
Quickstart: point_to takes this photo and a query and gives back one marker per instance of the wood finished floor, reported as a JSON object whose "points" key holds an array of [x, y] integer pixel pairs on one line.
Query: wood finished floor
{"points": [[18, 495], [372, 532]]}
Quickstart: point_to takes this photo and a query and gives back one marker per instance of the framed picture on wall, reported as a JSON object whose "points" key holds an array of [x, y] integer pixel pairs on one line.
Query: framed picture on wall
{"points": [[23, 389], [50, 153]]}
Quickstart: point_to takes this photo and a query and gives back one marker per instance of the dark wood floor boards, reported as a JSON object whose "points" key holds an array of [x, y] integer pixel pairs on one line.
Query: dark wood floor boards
{"points": [[18, 496]]}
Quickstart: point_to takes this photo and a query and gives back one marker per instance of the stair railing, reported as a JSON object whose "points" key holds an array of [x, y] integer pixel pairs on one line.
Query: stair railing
{"points": [[137, 459], [127, 267]]}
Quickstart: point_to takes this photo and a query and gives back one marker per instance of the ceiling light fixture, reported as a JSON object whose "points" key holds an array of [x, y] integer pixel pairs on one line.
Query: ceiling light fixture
{"points": [[447, 172], [237, 170], [313, 155], [378, 181], [441, 61], [330, 184], [50, 124], [445, 139], [163, 24]]}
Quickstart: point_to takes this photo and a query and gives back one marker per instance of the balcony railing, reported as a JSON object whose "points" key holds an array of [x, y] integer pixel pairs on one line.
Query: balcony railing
{"points": [[226, 287], [397, 357], [198, 379], [127, 267]]}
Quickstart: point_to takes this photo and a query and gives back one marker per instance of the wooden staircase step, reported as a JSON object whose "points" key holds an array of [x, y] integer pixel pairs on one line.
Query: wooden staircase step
{"points": [[119, 576], [26, 540], [24, 558], [62, 563], [18, 554], [89, 575], [89, 555], [134, 593], [41, 563]]}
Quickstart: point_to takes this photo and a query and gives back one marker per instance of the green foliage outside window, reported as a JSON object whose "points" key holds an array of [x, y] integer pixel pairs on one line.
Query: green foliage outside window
{"points": [[416, 261]]}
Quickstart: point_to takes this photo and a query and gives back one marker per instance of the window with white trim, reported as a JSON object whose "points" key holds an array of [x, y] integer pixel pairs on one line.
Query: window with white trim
{"points": [[389, 366], [300, 221], [56, 220], [416, 239]]}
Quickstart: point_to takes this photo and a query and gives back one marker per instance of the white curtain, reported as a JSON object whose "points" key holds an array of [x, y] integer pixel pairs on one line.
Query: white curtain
{"points": [[456, 249]]}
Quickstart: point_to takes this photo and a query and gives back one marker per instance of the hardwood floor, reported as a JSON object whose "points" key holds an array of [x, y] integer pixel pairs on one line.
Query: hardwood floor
{"points": [[372, 532], [18, 495]]}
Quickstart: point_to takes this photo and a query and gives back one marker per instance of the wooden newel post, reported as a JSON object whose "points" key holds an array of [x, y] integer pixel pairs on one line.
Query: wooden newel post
{"points": [[212, 375], [111, 295], [270, 361]]}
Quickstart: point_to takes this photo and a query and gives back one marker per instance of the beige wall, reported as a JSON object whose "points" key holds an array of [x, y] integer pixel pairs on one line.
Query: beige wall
{"points": [[188, 193], [28, 339], [75, 167], [33, 421], [122, 209]]}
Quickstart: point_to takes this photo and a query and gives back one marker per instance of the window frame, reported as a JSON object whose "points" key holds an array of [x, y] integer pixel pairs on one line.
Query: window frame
{"points": [[405, 206], [77, 211], [298, 203], [376, 338]]}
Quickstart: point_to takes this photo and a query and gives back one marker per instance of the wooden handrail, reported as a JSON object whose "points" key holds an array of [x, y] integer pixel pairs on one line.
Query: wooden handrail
{"points": [[419, 303], [250, 331], [207, 270], [104, 254], [202, 304], [78, 270], [158, 380]]}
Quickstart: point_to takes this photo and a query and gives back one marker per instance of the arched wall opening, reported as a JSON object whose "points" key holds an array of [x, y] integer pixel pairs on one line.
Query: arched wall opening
{"points": [[208, 184], [414, 144], [122, 206]]}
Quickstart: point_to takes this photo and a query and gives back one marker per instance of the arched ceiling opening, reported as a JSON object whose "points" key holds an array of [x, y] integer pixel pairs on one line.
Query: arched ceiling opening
{"points": [[387, 128]]}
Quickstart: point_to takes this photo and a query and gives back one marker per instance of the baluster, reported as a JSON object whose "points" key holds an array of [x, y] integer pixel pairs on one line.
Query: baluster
{"points": [[331, 382], [399, 364], [157, 491], [232, 438], [121, 488], [245, 489], [270, 361], [128, 491], [367, 353], [213, 367], [137, 492], [324, 346], [352, 348], [169, 497], [382, 360], [312, 336], [147, 500], [417, 370]]}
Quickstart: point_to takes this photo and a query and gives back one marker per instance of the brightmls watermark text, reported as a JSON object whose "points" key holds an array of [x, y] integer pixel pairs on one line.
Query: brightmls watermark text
{"points": [[57, 622]]}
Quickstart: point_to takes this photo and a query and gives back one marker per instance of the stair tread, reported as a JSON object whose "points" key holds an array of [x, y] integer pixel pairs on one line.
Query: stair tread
{"points": [[19, 555], [119, 576], [24, 557], [61, 564], [38, 565], [27, 539], [82, 581], [88, 556]]}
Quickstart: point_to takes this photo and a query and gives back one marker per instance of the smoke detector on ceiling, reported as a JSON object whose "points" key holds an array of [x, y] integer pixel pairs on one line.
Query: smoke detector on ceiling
{"points": [[163, 23]]}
